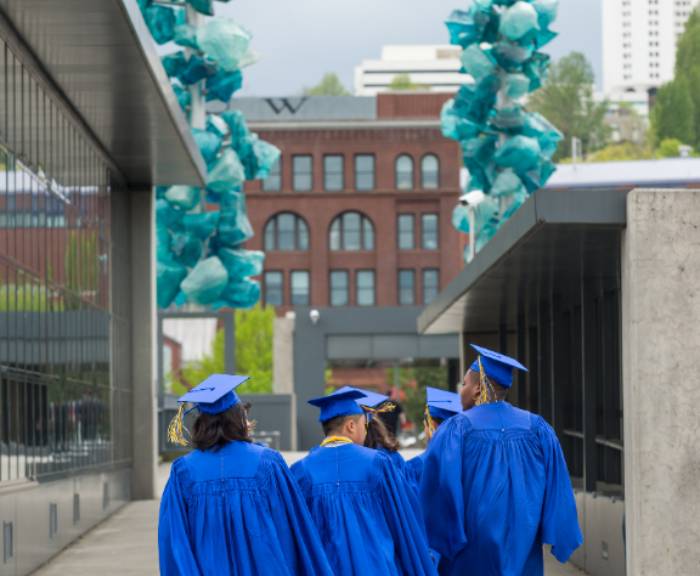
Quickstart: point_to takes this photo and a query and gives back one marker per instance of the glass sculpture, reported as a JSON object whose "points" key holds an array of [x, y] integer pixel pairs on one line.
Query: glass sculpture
{"points": [[506, 149], [200, 258]]}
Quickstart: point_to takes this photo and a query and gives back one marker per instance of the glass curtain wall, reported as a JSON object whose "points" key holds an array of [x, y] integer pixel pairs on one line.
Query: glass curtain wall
{"points": [[64, 388]]}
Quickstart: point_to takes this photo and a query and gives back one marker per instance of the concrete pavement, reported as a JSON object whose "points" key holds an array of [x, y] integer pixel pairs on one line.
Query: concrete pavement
{"points": [[126, 545]]}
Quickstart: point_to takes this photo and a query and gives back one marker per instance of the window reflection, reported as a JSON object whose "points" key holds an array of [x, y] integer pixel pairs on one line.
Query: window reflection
{"points": [[65, 391]]}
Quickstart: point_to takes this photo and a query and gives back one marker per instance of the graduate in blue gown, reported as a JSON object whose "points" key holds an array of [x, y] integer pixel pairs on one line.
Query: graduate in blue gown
{"points": [[232, 507], [498, 478], [439, 406], [358, 499], [378, 435]]}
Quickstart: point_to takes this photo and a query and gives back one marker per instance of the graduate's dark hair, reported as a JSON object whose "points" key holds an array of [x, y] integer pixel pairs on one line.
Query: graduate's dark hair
{"points": [[212, 431], [335, 424], [378, 436]]}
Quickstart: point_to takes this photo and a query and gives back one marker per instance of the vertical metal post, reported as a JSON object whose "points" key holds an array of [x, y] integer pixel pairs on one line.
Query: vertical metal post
{"points": [[472, 232], [198, 111], [229, 342]]}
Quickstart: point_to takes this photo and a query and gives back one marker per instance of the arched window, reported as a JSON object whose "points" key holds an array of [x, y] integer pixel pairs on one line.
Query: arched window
{"points": [[430, 171], [351, 231], [286, 232], [404, 172]]}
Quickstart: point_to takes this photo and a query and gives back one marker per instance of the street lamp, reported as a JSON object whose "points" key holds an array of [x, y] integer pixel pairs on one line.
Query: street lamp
{"points": [[471, 200]]}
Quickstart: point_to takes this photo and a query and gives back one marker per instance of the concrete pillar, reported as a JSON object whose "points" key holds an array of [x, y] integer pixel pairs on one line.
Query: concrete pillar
{"points": [[143, 345], [283, 355], [661, 367]]}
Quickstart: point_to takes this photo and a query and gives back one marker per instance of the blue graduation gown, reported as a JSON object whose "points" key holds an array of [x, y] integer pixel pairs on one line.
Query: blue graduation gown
{"points": [[414, 470], [363, 512], [236, 511], [498, 478]]}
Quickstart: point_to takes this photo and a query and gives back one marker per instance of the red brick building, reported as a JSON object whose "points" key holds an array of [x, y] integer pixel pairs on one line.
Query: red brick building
{"points": [[357, 213]]}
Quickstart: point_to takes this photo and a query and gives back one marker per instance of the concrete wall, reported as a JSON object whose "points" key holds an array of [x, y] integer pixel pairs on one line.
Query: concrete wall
{"points": [[80, 502], [661, 364]]}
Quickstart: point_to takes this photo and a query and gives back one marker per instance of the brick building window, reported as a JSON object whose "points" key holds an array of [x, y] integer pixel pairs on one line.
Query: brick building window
{"points": [[333, 177], [286, 232], [429, 231], [273, 183], [351, 232], [407, 287], [302, 173], [339, 288], [300, 288], [404, 172], [430, 172], [406, 232], [364, 172], [431, 284], [364, 295], [274, 288]]}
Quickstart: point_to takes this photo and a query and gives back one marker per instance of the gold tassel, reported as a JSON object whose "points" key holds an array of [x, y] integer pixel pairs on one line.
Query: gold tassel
{"points": [[176, 428], [429, 422]]}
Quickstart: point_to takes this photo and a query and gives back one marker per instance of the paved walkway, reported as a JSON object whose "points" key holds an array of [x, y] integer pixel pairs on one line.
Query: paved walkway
{"points": [[126, 545]]}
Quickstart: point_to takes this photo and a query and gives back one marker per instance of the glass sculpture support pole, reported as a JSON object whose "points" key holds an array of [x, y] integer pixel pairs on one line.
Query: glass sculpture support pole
{"points": [[198, 111], [472, 233]]}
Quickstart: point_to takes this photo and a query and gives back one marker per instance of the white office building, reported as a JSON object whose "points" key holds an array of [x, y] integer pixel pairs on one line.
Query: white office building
{"points": [[639, 45], [435, 68]]}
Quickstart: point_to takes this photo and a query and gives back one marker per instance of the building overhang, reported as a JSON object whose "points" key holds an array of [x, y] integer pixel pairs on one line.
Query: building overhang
{"points": [[556, 238], [103, 61]]}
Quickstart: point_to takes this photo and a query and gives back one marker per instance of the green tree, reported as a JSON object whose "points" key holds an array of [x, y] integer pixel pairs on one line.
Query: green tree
{"points": [[254, 336], [413, 381], [403, 82], [688, 67], [330, 85], [669, 148], [566, 100], [621, 152], [673, 114]]}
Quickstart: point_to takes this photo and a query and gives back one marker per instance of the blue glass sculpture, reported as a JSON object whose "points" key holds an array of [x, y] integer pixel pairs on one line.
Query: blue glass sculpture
{"points": [[506, 149], [199, 251]]}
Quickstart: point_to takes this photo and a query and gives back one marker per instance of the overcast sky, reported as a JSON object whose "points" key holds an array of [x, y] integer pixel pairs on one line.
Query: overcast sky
{"points": [[300, 40]]}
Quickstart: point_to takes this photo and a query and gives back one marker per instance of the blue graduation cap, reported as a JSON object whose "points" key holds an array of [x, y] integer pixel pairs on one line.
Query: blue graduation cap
{"points": [[341, 403], [216, 394], [497, 366], [442, 404], [370, 399]]}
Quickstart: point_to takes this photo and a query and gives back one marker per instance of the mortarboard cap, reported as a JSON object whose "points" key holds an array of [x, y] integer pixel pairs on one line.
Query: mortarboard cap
{"points": [[341, 403], [442, 404], [216, 394], [370, 399], [497, 366]]}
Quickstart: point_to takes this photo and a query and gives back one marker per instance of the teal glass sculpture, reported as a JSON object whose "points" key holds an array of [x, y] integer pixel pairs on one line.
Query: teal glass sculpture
{"points": [[225, 42], [506, 149], [199, 252]]}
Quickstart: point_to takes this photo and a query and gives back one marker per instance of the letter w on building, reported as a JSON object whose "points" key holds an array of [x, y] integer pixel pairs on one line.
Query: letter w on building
{"points": [[293, 106]]}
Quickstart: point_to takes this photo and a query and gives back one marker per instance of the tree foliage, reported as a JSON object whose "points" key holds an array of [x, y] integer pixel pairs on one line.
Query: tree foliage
{"points": [[621, 152], [403, 82], [253, 354], [330, 85], [673, 113], [566, 100], [676, 112]]}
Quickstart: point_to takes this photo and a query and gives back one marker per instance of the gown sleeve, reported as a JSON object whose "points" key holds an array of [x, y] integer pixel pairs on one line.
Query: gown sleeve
{"points": [[405, 522], [176, 556], [297, 532], [560, 526], [441, 488]]}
